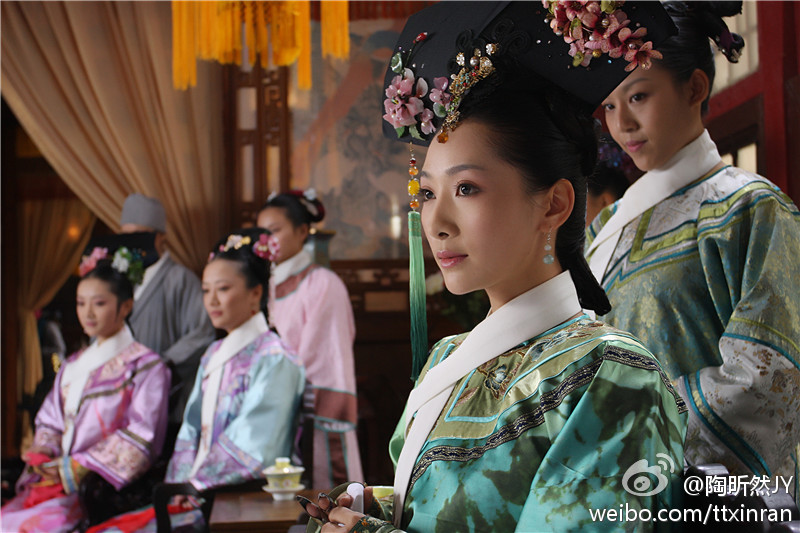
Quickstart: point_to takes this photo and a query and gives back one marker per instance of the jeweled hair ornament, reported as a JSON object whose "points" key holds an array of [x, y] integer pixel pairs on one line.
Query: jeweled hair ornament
{"points": [[473, 71], [266, 247]]}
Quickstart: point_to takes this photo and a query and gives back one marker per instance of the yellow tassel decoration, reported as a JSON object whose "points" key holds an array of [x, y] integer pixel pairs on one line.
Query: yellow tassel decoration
{"points": [[335, 29], [184, 68], [285, 49], [280, 29], [304, 43]]}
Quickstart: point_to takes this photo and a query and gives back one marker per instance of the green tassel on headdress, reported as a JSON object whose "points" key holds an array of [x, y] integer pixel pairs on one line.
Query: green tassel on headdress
{"points": [[416, 273], [416, 294]]}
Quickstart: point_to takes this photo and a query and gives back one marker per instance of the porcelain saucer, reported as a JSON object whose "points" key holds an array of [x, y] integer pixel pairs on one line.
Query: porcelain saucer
{"points": [[281, 494]]}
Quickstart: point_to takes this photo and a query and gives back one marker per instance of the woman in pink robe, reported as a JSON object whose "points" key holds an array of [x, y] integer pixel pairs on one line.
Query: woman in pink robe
{"points": [[107, 411], [311, 310]]}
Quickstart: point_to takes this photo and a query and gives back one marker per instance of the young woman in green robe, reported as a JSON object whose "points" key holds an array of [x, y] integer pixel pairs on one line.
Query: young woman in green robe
{"points": [[699, 259]]}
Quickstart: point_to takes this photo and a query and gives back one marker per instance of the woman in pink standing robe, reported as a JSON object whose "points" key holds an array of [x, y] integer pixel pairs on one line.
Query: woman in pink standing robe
{"points": [[311, 310], [107, 411]]}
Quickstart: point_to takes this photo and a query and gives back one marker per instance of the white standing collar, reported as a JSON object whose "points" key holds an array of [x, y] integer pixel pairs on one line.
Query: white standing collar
{"points": [[694, 160], [526, 316], [237, 339], [76, 375], [294, 265]]}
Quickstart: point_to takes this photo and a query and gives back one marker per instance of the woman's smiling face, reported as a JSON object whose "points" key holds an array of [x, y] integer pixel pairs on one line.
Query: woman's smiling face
{"points": [[481, 222], [652, 116]]}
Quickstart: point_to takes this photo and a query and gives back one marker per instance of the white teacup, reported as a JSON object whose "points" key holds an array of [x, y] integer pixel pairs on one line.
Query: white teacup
{"points": [[283, 475]]}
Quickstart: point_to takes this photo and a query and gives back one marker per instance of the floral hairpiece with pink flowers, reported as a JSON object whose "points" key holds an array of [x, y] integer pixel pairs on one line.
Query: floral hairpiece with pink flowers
{"points": [[128, 262], [595, 28], [89, 262], [404, 104], [266, 247]]}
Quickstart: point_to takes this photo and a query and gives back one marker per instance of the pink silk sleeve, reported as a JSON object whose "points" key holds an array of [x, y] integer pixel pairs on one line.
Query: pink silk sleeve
{"points": [[128, 451], [326, 345]]}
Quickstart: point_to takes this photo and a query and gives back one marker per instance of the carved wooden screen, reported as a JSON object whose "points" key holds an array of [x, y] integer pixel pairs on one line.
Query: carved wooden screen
{"points": [[258, 124]]}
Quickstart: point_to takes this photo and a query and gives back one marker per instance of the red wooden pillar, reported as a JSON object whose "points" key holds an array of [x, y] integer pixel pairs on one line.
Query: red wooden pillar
{"points": [[792, 95], [768, 98], [774, 41]]}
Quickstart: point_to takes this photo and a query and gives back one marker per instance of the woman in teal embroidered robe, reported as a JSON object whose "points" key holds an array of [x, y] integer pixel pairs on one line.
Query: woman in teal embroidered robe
{"points": [[543, 435]]}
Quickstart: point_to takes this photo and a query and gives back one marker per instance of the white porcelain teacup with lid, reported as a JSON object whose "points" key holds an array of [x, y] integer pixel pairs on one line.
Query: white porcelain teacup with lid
{"points": [[283, 477]]}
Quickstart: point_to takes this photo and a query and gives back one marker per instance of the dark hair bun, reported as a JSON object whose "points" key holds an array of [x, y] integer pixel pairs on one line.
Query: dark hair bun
{"points": [[707, 19], [308, 199], [724, 9], [240, 245], [302, 207]]}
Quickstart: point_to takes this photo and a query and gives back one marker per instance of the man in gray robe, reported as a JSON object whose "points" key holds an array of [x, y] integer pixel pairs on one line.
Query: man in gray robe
{"points": [[168, 314]]}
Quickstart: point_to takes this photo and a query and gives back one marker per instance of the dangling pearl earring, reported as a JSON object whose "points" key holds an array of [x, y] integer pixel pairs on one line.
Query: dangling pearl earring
{"points": [[548, 257]]}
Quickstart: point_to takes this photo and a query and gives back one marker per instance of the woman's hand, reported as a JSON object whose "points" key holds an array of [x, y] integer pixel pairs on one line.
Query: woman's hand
{"points": [[42, 450], [49, 472], [341, 519], [340, 516], [345, 500], [36, 457]]}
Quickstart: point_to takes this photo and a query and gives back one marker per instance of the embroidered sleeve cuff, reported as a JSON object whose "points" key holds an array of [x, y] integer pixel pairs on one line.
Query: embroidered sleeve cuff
{"points": [[369, 524], [68, 480]]}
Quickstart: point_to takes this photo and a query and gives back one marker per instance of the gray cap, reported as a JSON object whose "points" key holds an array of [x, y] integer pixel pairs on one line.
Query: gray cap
{"points": [[144, 211]]}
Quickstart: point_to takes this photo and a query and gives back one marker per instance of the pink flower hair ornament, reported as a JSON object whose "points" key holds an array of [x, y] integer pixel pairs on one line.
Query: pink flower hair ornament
{"points": [[594, 28], [267, 247], [404, 106], [89, 262]]}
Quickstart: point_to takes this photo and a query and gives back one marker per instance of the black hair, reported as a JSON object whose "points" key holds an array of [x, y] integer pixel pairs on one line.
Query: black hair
{"points": [[299, 209], [254, 268], [690, 49], [606, 178], [541, 130], [118, 283]]}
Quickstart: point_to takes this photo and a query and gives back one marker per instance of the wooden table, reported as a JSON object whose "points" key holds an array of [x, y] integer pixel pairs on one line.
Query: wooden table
{"points": [[255, 511]]}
